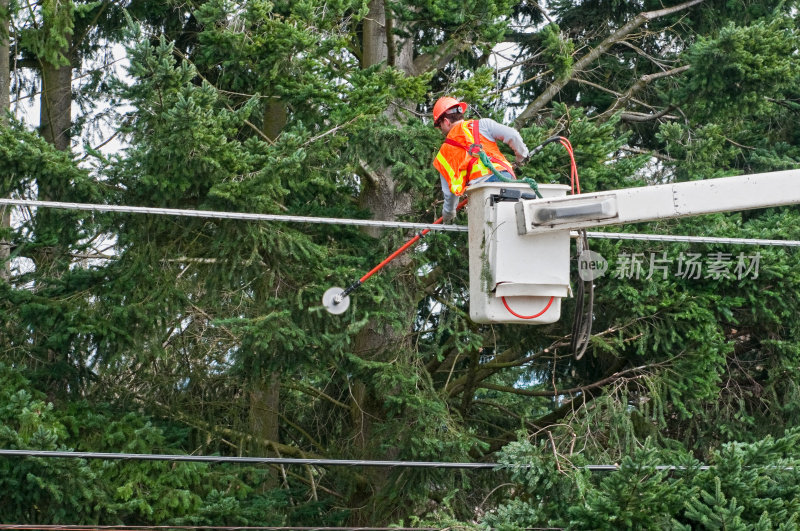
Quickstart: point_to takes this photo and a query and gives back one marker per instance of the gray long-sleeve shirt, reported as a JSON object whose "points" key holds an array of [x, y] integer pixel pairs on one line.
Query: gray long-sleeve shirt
{"points": [[492, 131]]}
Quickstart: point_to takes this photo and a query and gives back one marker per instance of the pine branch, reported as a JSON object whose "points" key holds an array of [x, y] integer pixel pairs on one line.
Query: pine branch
{"points": [[508, 412], [440, 57], [631, 116], [557, 414], [571, 391], [508, 358], [248, 123], [583, 63], [309, 390], [636, 87], [230, 433], [458, 385]]}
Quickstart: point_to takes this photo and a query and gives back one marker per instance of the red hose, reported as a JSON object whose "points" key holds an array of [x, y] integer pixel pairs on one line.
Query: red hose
{"points": [[534, 316]]}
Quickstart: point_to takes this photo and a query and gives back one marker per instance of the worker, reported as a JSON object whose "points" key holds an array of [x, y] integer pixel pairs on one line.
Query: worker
{"points": [[458, 160]]}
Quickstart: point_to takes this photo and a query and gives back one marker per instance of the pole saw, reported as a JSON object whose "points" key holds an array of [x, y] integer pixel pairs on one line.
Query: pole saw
{"points": [[336, 300]]}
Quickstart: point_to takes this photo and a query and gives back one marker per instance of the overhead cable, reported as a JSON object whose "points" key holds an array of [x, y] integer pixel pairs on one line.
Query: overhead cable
{"points": [[332, 462], [372, 223], [215, 214], [301, 461], [244, 460], [66, 527]]}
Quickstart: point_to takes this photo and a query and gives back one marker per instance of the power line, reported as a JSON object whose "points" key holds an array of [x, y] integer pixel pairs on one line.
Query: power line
{"points": [[245, 460], [215, 214], [65, 527], [333, 462], [302, 461]]}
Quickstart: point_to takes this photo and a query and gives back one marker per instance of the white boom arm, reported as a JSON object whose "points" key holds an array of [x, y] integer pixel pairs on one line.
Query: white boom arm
{"points": [[650, 203]]}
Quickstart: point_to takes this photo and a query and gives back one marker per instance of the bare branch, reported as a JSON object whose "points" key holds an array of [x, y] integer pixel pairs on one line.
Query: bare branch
{"points": [[574, 390], [330, 131], [657, 62], [442, 55], [640, 151], [609, 91], [547, 96], [631, 116], [738, 144], [636, 87], [307, 389]]}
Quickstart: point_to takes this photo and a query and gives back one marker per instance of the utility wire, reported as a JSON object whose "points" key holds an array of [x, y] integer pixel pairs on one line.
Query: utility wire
{"points": [[215, 214], [230, 215], [244, 460], [296, 461], [65, 527], [328, 462]]}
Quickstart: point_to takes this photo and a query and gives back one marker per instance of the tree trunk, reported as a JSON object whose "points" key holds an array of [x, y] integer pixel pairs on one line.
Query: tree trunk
{"points": [[5, 70], [275, 118], [55, 115], [379, 194], [264, 409], [265, 401], [374, 49], [55, 121], [5, 78]]}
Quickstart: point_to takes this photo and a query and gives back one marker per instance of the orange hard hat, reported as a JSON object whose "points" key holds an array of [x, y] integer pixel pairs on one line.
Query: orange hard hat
{"points": [[444, 104]]}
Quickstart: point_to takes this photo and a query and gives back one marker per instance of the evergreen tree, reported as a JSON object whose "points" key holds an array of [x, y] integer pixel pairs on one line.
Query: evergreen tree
{"points": [[207, 336]]}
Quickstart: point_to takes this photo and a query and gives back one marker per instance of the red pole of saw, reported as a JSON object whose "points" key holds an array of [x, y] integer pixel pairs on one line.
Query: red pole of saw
{"points": [[336, 300]]}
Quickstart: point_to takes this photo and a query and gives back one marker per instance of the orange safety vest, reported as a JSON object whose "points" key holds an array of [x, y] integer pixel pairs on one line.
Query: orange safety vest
{"points": [[458, 160]]}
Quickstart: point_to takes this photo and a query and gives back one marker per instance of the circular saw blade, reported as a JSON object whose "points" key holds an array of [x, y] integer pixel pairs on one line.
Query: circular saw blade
{"points": [[330, 304]]}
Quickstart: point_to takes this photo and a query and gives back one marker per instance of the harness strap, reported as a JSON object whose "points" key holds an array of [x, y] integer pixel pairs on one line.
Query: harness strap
{"points": [[487, 160], [476, 151]]}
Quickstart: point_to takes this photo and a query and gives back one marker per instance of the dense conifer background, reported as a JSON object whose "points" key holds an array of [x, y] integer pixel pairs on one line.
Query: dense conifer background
{"points": [[156, 334]]}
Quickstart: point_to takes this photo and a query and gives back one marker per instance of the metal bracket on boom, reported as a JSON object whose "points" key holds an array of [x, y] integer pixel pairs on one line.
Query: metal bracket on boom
{"points": [[509, 194], [570, 210]]}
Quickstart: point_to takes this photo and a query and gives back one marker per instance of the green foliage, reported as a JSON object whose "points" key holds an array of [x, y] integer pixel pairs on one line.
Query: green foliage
{"points": [[69, 491], [40, 490], [745, 487], [51, 37], [188, 335], [558, 51], [743, 68]]}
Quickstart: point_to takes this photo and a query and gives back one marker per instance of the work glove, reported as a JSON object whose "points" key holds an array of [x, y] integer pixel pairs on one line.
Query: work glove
{"points": [[448, 217]]}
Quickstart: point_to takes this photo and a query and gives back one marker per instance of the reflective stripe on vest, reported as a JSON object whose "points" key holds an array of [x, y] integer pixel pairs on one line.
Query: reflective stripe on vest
{"points": [[467, 170], [455, 182]]}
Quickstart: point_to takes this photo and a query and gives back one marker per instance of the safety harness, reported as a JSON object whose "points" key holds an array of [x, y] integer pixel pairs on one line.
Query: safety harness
{"points": [[475, 150]]}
